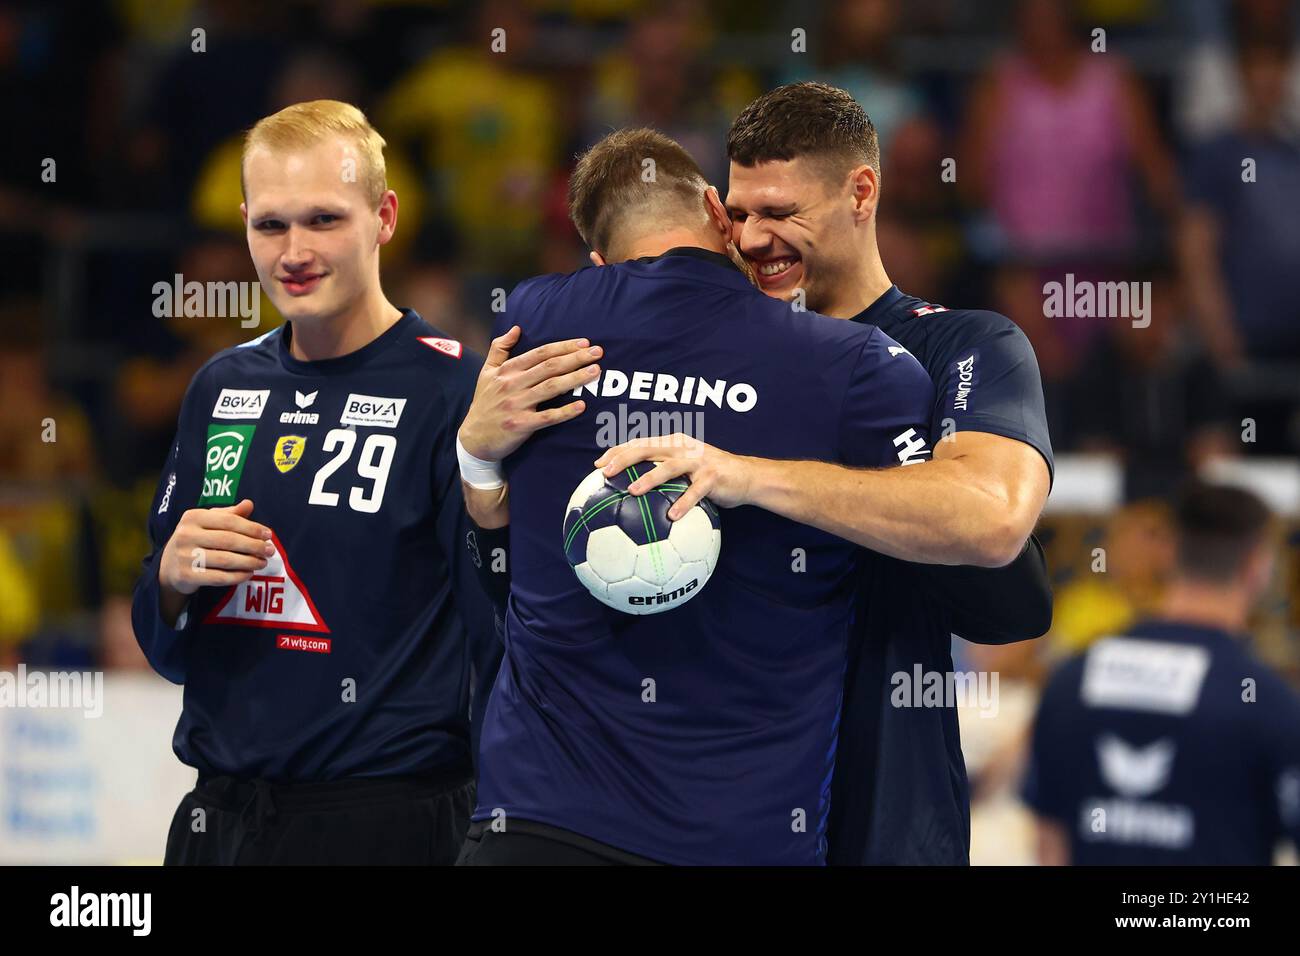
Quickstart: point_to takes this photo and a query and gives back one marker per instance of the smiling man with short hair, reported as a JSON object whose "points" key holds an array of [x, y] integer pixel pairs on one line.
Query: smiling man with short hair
{"points": [[804, 191], [327, 636]]}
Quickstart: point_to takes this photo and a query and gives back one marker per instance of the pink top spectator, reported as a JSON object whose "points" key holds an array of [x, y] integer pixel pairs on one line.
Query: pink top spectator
{"points": [[1059, 177]]}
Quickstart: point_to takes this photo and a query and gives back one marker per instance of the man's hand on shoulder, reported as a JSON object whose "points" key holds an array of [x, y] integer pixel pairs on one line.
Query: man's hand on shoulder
{"points": [[504, 410], [504, 413]]}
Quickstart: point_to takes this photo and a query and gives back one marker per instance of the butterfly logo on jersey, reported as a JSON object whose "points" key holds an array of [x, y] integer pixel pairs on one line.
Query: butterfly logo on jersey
{"points": [[300, 417], [1135, 771], [273, 597], [288, 451]]}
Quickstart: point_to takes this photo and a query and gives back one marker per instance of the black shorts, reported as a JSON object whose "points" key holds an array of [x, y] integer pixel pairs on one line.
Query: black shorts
{"points": [[418, 821], [525, 843]]}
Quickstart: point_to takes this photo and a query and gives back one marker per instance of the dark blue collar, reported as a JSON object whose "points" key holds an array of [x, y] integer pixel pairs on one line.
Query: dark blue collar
{"points": [[872, 313], [344, 363], [1164, 629], [693, 252]]}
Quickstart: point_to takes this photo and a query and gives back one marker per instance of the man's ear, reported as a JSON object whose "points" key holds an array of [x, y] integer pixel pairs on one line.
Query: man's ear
{"points": [[243, 213], [387, 217], [718, 212], [865, 185], [1258, 572], [596, 258]]}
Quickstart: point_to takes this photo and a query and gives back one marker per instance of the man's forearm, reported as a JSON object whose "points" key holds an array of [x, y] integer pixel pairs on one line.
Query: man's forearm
{"points": [[932, 513], [489, 509]]}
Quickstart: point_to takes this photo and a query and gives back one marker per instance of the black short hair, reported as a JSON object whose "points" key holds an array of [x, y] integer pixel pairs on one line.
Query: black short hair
{"points": [[804, 119], [1218, 527]]}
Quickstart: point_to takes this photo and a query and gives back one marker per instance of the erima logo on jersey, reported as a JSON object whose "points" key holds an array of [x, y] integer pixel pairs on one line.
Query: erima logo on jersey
{"points": [[372, 410], [1169, 826], [301, 418], [661, 387], [1129, 674], [240, 403], [965, 382], [273, 597], [1135, 771], [445, 346]]}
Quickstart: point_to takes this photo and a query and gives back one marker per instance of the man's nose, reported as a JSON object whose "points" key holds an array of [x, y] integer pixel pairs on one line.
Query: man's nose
{"points": [[296, 251], [751, 237]]}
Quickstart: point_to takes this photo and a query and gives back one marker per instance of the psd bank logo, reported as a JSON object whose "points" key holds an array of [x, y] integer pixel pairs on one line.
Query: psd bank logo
{"points": [[227, 452]]}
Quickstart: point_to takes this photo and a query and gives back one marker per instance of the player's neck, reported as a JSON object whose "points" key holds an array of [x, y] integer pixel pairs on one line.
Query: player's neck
{"points": [[660, 242], [325, 338], [867, 285], [1191, 602], [1259, 121]]}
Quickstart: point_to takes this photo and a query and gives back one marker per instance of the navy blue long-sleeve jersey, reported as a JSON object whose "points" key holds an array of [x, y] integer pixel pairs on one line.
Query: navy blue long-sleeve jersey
{"points": [[707, 733], [354, 652], [900, 793], [1168, 745]]}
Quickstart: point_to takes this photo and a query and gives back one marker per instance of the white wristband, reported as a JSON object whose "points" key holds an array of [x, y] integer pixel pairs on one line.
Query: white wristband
{"points": [[477, 473]]}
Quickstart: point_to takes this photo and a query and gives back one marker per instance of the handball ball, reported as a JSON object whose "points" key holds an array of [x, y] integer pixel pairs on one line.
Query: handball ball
{"points": [[627, 552]]}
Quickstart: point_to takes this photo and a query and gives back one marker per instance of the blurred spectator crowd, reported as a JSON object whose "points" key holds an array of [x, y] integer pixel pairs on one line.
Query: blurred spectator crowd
{"points": [[1019, 145]]}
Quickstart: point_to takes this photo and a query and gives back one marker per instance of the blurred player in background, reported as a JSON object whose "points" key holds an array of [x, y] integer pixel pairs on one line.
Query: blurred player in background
{"points": [[804, 190], [704, 735], [307, 582], [1170, 744]]}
